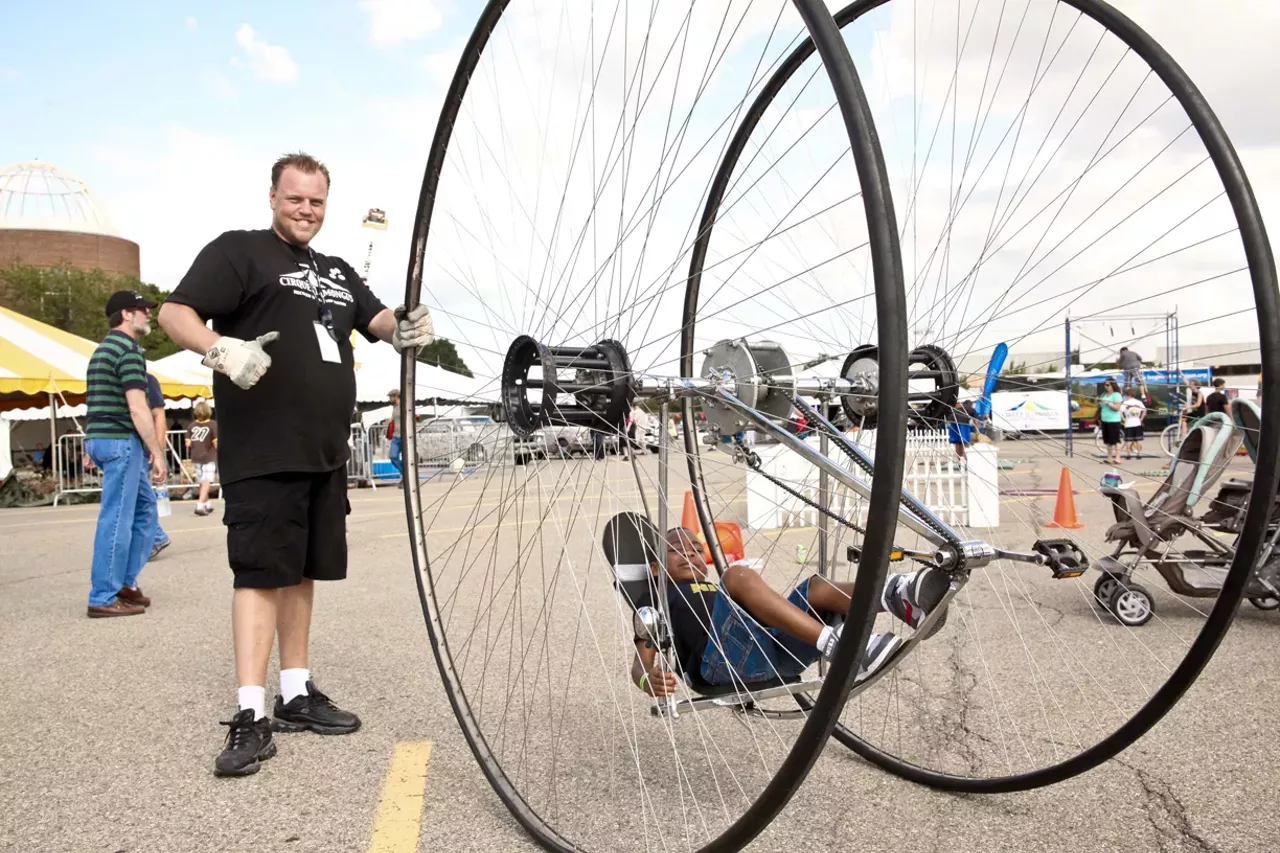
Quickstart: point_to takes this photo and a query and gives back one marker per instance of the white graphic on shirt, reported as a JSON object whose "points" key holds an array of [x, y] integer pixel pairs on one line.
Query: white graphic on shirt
{"points": [[304, 282]]}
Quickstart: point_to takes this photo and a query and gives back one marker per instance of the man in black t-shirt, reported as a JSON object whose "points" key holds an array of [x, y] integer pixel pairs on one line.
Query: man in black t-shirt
{"points": [[283, 422], [1217, 400]]}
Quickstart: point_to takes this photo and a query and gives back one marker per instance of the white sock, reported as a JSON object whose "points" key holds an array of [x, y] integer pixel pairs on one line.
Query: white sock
{"points": [[293, 682], [828, 638], [255, 698]]}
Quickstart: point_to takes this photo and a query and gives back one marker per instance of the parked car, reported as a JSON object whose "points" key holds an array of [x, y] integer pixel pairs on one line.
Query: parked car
{"points": [[472, 439]]}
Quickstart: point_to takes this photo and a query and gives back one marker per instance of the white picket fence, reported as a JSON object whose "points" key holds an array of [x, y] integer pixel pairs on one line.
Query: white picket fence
{"points": [[962, 492]]}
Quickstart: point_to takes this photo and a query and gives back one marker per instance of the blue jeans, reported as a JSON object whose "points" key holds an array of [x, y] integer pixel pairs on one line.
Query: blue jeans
{"points": [[741, 650], [393, 450], [127, 518]]}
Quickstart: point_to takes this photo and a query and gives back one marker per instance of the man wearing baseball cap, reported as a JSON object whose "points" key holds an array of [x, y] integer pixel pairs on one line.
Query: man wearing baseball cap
{"points": [[120, 438]]}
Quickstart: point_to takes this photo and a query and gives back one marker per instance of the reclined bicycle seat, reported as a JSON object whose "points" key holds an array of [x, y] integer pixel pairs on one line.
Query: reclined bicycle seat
{"points": [[1202, 457], [631, 542]]}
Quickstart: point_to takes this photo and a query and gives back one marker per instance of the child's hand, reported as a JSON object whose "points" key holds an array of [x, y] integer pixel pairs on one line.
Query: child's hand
{"points": [[658, 682]]}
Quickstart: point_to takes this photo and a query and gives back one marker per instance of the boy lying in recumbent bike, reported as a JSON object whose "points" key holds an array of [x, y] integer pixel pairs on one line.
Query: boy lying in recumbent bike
{"points": [[758, 634]]}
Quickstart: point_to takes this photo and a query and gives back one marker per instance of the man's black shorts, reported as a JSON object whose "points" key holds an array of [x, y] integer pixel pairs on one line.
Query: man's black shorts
{"points": [[282, 528]]}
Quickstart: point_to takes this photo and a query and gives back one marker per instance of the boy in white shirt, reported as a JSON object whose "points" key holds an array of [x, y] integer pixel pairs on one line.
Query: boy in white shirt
{"points": [[1133, 411]]}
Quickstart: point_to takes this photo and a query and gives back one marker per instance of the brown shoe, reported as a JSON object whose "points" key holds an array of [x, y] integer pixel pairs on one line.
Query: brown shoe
{"points": [[133, 596], [116, 608]]}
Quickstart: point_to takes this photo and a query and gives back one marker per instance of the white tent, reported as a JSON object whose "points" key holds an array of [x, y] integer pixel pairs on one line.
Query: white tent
{"points": [[378, 372], [186, 363]]}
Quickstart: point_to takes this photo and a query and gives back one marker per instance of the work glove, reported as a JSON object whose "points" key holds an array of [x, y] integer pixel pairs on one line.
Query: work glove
{"points": [[243, 362], [413, 328]]}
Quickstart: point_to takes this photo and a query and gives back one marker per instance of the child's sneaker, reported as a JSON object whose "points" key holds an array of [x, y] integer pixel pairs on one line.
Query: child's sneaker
{"points": [[913, 596], [879, 648]]}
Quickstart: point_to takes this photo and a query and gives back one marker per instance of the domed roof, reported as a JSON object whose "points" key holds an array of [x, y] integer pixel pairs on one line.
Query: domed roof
{"points": [[41, 196]]}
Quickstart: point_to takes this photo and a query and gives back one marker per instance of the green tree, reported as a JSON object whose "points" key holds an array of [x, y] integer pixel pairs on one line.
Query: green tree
{"points": [[442, 353], [73, 300]]}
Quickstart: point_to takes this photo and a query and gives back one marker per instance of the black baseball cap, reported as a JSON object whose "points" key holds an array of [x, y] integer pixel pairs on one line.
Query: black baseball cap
{"points": [[123, 300]]}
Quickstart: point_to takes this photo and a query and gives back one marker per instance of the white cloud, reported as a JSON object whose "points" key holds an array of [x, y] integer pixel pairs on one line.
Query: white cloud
{"points": [[270, 62], [393, 22], [441, 64], [192, 23], [219, 85]]}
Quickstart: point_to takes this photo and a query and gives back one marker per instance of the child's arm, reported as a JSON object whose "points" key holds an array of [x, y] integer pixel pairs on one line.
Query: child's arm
{"points": [[648, 675]]}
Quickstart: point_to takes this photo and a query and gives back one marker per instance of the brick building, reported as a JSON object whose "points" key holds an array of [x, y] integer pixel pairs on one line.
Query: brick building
{"points": [[50, 218]]}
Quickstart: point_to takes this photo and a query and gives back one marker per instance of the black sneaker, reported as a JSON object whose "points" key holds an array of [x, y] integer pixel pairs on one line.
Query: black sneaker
{"points": [[314, 711], [248, 744], [912, 597]]}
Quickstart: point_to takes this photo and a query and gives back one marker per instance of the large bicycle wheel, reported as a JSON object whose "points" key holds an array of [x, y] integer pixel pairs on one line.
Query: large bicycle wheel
{"points": [[560, 201], [1049, 161]]}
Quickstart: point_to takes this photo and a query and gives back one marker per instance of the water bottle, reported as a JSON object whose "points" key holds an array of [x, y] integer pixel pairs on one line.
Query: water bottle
{"points": [[163, 509]]}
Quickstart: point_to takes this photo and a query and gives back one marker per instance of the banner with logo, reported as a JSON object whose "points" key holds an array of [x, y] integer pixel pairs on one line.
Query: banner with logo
{"points": [[1030, 411]]}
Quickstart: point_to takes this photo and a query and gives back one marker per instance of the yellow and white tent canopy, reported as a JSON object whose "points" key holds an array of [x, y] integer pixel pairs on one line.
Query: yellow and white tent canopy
{"points": [[37, 360]]}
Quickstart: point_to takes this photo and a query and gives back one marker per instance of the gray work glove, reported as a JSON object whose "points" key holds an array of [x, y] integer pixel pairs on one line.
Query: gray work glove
{"points": [[243, 362], [413, 328]]}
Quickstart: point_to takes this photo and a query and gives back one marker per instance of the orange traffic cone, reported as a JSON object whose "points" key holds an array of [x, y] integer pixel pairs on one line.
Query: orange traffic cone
{"points": [[1064, 511], [689, 521]]}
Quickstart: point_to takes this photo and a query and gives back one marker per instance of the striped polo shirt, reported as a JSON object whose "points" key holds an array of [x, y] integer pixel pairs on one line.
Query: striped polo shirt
{"points": [[117, 366]]}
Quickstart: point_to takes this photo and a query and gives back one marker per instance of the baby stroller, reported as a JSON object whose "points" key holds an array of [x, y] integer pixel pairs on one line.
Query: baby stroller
{"points": [[1146, 534]]}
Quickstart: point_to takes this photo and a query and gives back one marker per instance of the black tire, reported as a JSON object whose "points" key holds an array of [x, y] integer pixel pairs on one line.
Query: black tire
{"points": [[892, 356], [1131, 604], [1265, 603], [887, 263], [1266, 293], [1104, 589]]}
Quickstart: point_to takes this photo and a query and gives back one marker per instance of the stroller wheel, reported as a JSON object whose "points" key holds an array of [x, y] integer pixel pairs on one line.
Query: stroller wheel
{"points": [[1265, 602], [1132, 605], [1104, 589]]}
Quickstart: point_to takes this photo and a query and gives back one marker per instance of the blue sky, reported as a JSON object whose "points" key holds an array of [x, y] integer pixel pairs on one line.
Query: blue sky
{"points": [[173, 112], [158, 105]]}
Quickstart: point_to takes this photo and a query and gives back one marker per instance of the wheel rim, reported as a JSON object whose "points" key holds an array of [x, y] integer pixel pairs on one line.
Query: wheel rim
{"points": [[1254, 284], [1132, 607]]}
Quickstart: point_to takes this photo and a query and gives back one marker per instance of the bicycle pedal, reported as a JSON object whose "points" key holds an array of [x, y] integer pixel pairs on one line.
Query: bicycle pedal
{"points": [[1063, 557], [854, 553]]}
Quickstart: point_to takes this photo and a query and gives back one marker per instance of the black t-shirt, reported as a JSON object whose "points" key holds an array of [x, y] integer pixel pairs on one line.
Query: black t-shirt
{"points": [[691, 605], [1216, 402], [297, 417]]}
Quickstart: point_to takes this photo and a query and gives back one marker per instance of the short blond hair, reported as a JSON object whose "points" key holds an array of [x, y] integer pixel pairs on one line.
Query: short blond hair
{"points": [[303, 162], [202, 411]]}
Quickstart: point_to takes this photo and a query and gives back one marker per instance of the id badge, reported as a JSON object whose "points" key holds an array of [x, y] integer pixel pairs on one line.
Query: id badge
{"points": [[328, 346]]}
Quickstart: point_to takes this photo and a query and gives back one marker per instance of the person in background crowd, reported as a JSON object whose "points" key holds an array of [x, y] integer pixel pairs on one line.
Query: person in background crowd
{"points": [[1109, 405], [155, 401], [202, 445], [1131, 363], [1217, 400], [396, 443], [284, 420], [1132, 413], [120, 432]]}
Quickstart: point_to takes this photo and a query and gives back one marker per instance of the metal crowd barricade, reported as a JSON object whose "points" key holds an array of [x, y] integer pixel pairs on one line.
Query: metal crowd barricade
{"points": [[360, 461], [77, 475]]}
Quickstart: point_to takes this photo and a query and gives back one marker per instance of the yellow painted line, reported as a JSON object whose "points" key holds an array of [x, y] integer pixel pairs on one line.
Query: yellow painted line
{"points": [[399, 820]]}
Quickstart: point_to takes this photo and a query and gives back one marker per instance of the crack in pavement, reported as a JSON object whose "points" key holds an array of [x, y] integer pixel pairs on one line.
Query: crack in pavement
{"points": [[1168, 815]]}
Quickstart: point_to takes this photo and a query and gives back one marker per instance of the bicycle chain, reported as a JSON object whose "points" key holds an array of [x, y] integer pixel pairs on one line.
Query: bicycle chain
{"points": [[753, 462], [937, 527]]}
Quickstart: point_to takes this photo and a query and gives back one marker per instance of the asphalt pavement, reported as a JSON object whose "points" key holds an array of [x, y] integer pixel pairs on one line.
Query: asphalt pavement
{"points": [[112, 725]]}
